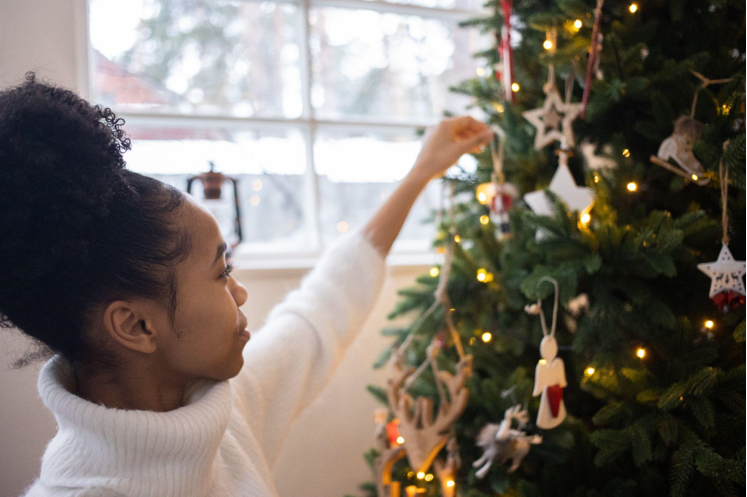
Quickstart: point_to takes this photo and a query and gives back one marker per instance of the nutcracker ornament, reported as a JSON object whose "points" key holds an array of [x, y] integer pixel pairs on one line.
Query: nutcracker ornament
{"points": [[498, 195], [549, 377]]}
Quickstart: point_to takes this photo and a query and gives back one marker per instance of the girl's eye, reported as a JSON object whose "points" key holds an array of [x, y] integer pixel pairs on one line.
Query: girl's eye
{"points": [[227, 271]]}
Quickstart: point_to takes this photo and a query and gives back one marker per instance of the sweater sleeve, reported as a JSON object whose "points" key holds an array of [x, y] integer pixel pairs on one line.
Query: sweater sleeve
{"points": [[290, 359]]}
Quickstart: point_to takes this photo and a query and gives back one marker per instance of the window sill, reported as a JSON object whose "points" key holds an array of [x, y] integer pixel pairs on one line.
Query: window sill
{"points": [[295, 264]]}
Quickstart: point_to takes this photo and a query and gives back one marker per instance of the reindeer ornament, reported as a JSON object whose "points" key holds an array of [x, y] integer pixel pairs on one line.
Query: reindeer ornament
{"points": [[502, 442], [422, 436]]}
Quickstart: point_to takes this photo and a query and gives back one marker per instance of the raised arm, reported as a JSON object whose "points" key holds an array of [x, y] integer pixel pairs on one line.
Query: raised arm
{"points": [[292, 357], [442, 146]]}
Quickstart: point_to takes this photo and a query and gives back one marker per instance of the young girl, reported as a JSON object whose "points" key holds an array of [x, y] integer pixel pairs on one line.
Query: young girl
{"points": [[157, 387]]}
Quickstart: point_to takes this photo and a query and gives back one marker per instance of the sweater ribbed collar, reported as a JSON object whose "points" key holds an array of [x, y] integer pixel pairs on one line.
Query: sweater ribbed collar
{"points": [[134, 452]]}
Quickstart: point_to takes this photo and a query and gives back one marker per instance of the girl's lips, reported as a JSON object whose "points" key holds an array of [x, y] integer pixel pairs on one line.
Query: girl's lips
{"points": [[245, 334]]}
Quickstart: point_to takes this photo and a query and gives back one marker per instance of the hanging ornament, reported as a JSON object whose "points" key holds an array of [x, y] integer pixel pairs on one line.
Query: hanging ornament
{"points": [[548, 118], [593, 64], [549, 379], [564, 186], [503, 442], [498, 195], [506, 73], [679, 146], [423, 437], [727, 289]]}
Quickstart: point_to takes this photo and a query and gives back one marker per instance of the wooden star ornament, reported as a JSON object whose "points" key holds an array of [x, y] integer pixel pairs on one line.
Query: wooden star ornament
{"points": [[548, 119]]}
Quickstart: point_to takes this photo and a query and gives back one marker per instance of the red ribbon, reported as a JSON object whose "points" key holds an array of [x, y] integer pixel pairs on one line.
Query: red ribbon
{"points": [[592, 56], [505, 50]]}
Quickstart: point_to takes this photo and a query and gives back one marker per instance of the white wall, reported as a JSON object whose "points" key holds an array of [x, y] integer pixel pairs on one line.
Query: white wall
{"points": [[323, 457]]}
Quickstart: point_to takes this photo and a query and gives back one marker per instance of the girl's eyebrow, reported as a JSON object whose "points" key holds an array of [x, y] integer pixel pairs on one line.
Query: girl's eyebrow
{"points": [[221, 248]]}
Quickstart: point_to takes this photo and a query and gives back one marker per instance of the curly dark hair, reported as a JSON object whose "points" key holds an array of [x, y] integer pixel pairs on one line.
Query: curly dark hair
{"points": [[77, 229]]}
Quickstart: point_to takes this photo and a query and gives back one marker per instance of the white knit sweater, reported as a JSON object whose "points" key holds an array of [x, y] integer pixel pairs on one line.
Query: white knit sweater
{"points": [[226, 437]]}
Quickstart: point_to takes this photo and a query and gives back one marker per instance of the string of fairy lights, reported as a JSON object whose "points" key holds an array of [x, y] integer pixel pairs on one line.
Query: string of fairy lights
{"points": [[632, 186], [484, 276]]}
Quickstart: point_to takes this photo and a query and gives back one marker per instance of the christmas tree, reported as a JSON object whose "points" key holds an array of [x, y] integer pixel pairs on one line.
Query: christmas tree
{"points": [[644, 104]]}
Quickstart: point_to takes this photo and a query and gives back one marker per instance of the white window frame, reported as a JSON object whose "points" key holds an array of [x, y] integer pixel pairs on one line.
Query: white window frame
{"points": [[402, 254]]}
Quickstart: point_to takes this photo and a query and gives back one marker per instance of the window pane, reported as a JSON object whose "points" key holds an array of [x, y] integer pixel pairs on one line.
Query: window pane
{"points": [[387, 66], [269, 166], [217, 57], [358, 171]]}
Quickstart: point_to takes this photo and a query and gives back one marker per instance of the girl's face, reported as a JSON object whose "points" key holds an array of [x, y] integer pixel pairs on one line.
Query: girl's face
{"points": [[208, 321]]}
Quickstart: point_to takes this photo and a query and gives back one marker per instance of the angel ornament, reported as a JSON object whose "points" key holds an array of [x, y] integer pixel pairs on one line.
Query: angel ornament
{"points": [[549, 377]]}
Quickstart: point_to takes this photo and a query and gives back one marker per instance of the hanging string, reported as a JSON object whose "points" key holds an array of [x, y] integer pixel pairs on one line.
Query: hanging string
{"points": [[441, 298], [554, 311], [569, 82], [724, 175], [497, 155], [432, 361], [552, 36]]}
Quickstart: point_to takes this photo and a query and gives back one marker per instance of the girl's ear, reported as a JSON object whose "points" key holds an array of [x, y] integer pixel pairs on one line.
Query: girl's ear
{"points": [[125, 323]]}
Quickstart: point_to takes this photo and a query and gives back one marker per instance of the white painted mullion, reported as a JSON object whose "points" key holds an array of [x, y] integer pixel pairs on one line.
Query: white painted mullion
{"points": [[84, 63], [311, 181]]}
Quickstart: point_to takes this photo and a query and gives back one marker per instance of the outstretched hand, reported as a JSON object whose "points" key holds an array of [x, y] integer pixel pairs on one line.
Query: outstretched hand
{"points": [[444, 143]]}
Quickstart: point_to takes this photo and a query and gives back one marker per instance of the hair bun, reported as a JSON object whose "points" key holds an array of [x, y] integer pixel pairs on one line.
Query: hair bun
{"points": [[60, 164]]}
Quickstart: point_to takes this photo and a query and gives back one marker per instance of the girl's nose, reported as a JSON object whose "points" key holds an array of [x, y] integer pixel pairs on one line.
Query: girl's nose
{"points": [[239, 293]]}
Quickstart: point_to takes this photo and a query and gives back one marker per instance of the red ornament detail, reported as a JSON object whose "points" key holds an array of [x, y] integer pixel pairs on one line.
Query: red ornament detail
{"points": [[501, 204], [728, 300], [555, 395], [392, 432]]}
